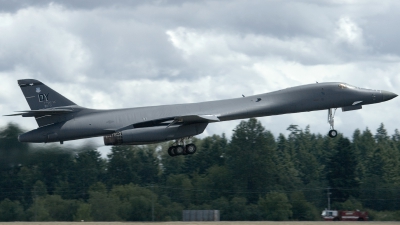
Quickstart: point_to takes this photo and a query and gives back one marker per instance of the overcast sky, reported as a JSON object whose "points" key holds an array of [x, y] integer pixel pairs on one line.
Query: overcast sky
{"points": [[120, 53]]}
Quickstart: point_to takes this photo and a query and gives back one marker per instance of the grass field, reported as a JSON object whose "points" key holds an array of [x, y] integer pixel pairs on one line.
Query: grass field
{"points": [[200, 223]]}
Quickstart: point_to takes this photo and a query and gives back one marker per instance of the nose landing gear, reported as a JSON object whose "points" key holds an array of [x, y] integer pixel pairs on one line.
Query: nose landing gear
{"points": [[331, 120], [332, 133]]}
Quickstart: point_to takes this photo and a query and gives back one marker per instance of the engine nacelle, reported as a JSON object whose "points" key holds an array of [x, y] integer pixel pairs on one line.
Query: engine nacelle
{"points": [[150, 135]]}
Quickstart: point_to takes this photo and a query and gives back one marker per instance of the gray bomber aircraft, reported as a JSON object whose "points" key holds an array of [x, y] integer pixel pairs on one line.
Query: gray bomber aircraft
{"points": [[60, 119]]}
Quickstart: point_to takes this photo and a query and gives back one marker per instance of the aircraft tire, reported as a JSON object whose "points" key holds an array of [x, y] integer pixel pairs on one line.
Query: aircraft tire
{"points": [[191, 149], [332, 133], [178, 150], [171, 151]]}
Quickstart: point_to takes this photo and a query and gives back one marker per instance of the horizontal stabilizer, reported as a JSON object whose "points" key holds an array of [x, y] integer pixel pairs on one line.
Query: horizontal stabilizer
{"points": [[43, 112]]}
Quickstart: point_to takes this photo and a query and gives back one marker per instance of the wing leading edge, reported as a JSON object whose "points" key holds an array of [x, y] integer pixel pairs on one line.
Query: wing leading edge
{"points": [[169, 121], [189, 119]]}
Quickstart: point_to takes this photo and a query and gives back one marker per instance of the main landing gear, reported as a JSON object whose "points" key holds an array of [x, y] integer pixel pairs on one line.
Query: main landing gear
{"points": [[179, 148], [331, 120]]}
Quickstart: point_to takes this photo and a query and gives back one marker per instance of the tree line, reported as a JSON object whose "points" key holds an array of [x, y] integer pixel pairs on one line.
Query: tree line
{"points": [[251, 176]]}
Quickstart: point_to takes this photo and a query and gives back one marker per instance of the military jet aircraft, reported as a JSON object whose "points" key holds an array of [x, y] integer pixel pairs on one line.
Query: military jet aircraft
{"points": [[60, 119]]}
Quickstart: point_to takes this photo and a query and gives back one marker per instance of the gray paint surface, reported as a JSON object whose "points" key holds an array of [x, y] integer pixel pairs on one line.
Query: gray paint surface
{"points": [[60, 119]]}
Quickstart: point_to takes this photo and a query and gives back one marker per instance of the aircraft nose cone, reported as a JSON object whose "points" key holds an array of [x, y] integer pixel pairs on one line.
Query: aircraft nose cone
{"points": [[387, 95]]}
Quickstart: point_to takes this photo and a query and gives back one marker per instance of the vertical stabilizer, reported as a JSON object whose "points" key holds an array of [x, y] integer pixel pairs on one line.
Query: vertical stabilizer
{"points": [[39, 96]]}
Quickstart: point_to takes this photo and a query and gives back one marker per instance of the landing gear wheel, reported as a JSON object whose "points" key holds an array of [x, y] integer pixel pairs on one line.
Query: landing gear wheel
{"points": [[171, 151], [179, 150], [191, 148], [332, 133], [331, 120]]}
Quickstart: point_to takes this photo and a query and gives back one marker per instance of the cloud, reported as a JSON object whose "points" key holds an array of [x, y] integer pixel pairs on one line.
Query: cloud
{"points": [[348, 32], [103, 54], [36, 40]]}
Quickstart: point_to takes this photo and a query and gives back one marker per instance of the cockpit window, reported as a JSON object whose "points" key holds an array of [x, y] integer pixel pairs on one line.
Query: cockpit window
{"points": [[342, 86]]}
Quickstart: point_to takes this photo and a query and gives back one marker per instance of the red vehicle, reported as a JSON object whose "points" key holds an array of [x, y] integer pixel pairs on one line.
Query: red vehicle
{"points": [[339, 215]]}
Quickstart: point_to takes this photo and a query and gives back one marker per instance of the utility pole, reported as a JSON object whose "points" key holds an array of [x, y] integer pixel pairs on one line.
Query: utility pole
{"points": [[329, 198]]}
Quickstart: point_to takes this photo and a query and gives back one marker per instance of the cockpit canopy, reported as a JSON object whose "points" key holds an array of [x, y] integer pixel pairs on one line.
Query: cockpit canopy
{"points": [[346, 86]]}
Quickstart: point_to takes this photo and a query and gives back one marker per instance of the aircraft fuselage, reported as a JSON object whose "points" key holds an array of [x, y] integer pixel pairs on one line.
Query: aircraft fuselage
{"points": [[85, 123]]}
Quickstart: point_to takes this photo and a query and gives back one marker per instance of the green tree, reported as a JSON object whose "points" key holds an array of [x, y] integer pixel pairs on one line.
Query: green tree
{"points": [[13, 153], [133, 164], [171, 165], [379, 189], [11, 186], [302, 209], [201, 193], [59, 209], [381, 134], [28, 177], [305, 160], [39, 189], [210, 153], [104, 207], [350, 204], [121, 168], [288, 174], [389, 155], [180, 189], [359, 152], [275, 206], [136, 202], [341, 172], [52, 207], [167, 210], [11, 211], [220, 182], [83, 213], [222, 204], [51, 165], [38, 211], [237, 210], [13, 157], [396, 138], [251, 158], [148, 163], [88, 169], [367, 150]]}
